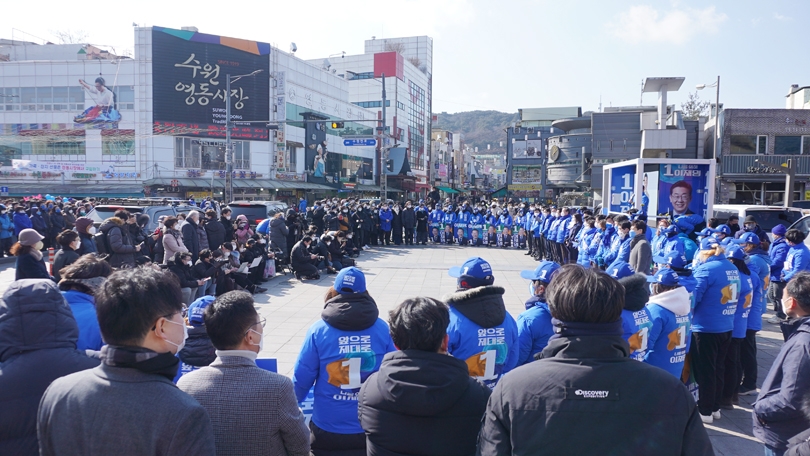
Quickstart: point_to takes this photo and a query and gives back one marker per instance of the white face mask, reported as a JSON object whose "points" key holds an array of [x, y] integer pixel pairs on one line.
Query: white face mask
{"points": [[328, 243], [262, 241], [187, 262], [261, 340], [92, 230], [227, 217], [185, 336], [242, 249]]}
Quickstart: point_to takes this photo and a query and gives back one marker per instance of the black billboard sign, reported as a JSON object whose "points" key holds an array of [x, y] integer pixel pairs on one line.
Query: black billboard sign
{"points": [[189, 71]]}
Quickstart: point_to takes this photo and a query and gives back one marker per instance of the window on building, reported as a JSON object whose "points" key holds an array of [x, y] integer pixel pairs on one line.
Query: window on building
{"points": [[291, 154], [787, 145], [372, 104], [76, 97], [355, 76], [241, 155], [186, 153], [58, 146], [204, 154], [28, 98], [745, 144], [806, 143], [125, 97]]}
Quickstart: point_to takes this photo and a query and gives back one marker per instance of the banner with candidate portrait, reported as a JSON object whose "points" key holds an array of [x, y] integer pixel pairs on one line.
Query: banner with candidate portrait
{"points": [[683, 189]]}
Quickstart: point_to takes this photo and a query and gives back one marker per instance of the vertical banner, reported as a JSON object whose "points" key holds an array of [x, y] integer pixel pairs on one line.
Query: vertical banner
{"points": [[622, 188], [683, 190]]}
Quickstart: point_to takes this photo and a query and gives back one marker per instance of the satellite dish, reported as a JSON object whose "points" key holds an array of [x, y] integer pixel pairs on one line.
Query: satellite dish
{"points": [[293, 47]]}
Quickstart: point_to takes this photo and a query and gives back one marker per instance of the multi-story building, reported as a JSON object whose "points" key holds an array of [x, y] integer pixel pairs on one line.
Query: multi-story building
{"points": [[407, 66], [76, 120]]}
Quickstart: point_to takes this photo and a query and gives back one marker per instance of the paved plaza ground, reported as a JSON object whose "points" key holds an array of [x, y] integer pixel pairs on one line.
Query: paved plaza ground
{"points": [[396, 273]]}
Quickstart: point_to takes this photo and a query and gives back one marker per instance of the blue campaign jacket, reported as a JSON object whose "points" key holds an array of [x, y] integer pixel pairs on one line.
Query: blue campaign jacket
{"points": [[760, 265], [84, 311], [21, 222], [585, 239], [435, 218], [798, 259], [778, 253], [536, 225], [716, 293], [595, 244], [782, 410], [547, 222], [562, 228], [6, 227], [482, 333], [619, 250], [534, 329], [657, 244], [505, 220], [744, 303], [339, 352], [554, 229], [386, 216], [674, 244], [669, 335], [463, 222], [449, 218], [636, 327]]}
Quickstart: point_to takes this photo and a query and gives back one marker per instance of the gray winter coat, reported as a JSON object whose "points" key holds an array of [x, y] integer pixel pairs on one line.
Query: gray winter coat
{"points": [[37, 345], [123, 250], [278, 234], [640, 255]]}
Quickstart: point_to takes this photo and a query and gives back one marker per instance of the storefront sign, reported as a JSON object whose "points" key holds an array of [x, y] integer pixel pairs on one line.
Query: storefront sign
{"points": [[56, 166], [527, 174], [525, 187], [290, 176]]}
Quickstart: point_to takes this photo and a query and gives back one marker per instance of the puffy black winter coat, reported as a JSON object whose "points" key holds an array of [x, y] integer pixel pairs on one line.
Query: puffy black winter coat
{"points": [[408, 219], [38, 337], [421, 403], [585, 396], [216, 234], [198, 351], [119, 240], [191, 239], [278, 234]]}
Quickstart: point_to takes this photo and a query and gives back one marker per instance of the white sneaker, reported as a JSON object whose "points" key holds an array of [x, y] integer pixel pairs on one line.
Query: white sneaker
{"points": [[707, 419], [366, 247], [715, 415]]}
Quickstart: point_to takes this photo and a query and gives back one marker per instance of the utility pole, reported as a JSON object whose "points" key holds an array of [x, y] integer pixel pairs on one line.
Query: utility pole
{"points": [[383, 151]]}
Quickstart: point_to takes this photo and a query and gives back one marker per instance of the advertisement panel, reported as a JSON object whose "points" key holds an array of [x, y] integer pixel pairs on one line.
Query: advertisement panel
{"points": [[622, 188], [527, 174], [683, 189], [527, 149], [189, 71]]}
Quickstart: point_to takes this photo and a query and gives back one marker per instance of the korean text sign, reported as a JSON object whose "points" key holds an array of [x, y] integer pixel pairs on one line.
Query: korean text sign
{"points": [[622, 188]]}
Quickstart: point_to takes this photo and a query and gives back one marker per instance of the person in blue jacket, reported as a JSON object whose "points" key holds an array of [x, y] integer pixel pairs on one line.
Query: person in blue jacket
{"points": [[596, 240], [798, 257], [636, 322], [778, 252], [670, 313], [604, 247], [585, 237], [745, 299], [482, 333], [80, 281], [339, 353], [302, 205], [723, 234], [563, 228], [386, 217], [6, 232], [660, 238], [535, 233], [548, 221], [449, 218], [673, 242], [476, 222], [620, 246], [435, 218], [21, 220], [463, 221], [505, 220], [716, 294], [534, 325], [760, 265]]}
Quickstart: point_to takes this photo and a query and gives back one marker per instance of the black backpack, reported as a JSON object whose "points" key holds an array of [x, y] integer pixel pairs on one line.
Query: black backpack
{"points": [[102, 243]]}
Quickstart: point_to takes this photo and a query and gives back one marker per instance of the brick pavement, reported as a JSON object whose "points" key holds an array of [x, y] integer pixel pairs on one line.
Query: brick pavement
{"points": [[396, 273]]}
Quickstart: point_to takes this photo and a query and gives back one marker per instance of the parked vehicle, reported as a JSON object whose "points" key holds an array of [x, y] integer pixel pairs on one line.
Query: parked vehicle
{"points": [[767, 217], [256, 211]]}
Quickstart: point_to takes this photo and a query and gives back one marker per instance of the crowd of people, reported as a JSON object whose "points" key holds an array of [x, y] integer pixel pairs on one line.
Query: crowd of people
{"points": [[619, 320]]}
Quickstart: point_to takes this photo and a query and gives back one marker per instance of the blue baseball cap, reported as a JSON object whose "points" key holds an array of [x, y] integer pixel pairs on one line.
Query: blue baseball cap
{"points": [[674, 259], [708, 243], [724, 229], [664, 276], [476, 271], [350, 280], [670, 229], [705, 232], [747, 238], [620, 270], [197, 309], [734, 251], [543, 272]]}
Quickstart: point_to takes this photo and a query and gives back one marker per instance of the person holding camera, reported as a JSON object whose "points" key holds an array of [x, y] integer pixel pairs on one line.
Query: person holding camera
{"points": [[303, 262], [325, 258]]}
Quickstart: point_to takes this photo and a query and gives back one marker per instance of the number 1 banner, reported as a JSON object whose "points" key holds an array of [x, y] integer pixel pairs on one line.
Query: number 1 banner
{"points": [[622, 188]]}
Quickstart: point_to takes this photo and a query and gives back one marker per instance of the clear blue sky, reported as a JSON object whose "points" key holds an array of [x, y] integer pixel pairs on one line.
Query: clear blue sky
{"points": [[494, 54]]}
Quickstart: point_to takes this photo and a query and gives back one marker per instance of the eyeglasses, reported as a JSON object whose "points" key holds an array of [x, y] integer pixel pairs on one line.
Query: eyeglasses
{"points": [[680, 197], [262, 321]]}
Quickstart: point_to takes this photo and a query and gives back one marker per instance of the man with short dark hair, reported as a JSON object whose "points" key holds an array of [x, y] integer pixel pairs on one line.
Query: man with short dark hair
{"points": [[302, 261], [781, 410], [420, 391], [585, 395], [253, 411], [680, 195], [640, 252], [119, 241], [129, 404]]}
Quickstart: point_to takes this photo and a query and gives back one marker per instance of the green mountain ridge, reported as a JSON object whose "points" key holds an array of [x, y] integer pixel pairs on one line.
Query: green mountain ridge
{"points": [[479, 128]]}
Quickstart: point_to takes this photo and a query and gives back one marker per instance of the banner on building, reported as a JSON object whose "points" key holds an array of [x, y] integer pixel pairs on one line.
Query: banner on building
{"points": [[527, 174], [189, 71], [683, 189]]}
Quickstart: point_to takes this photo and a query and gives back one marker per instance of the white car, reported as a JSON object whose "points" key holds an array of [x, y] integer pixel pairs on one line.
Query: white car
{"points": [[767, 217]]}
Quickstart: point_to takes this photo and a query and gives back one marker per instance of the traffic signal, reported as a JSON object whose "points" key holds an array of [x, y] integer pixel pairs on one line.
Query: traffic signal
{"points": [[389, 165], [336, 125]]}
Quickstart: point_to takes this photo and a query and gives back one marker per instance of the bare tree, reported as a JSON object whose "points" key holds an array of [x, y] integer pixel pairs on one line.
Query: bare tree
{"points": [[693, 108], [395, 47], [415, 61], [68, 36]]}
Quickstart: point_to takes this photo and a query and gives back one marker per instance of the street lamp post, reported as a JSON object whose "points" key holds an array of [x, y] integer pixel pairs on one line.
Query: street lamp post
{"points": [[228, 193], [716, 113]]}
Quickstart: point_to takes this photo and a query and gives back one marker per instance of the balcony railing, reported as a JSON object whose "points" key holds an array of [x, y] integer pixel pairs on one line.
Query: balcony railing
{"points": [[747, 164]]}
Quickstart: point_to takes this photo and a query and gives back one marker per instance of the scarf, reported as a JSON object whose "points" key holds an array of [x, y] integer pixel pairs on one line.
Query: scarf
{"points": [[142, 359], [578, 329], [36, 254]]}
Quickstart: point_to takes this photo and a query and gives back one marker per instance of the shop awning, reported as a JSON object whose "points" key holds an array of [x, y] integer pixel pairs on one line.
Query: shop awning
{"points": [[500, 193], [239, 183], [448, 190]]}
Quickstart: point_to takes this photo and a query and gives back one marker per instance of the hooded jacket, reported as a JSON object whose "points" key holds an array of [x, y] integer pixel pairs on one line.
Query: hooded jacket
{"points": [[585, 396], [482, 333], [668, 337], [198, 351], [339, 353], [426, 395], [760, 265], [636, 320], [37, 345], [585, 239], [778, 253], [797, 260], [534, 329], [745, 301], [120, 243], [83, 307], [386, 216], [278, 234], [782, 409], [718, 282]]}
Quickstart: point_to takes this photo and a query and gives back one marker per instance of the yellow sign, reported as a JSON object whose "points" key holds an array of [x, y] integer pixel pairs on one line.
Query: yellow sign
{"points": [[525, 187], [807, 194], [198, 195]]}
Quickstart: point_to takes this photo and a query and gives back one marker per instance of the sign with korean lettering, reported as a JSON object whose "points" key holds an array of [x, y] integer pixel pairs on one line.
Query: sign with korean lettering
{"points": [[189, 71]]}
